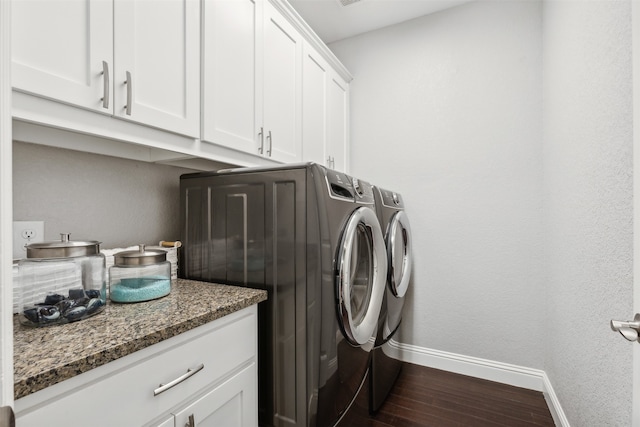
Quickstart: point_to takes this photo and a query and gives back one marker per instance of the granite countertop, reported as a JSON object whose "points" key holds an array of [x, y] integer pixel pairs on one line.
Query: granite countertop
{"points": [[48, 355]]}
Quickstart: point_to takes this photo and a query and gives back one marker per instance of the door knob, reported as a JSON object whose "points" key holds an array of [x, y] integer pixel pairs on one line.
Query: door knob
{"points": [[629, 329]]}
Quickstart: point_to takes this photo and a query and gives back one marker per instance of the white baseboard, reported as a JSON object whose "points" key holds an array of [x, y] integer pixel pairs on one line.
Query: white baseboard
{"points": [[559, 417], [518, 376]]}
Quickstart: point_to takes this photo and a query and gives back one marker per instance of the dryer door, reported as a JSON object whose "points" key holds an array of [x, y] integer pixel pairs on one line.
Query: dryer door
{"points": [[399, 253], [361, 276]]}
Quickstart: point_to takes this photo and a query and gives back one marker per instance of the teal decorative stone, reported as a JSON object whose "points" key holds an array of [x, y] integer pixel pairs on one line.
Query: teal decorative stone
{"points": [[139, 289]]}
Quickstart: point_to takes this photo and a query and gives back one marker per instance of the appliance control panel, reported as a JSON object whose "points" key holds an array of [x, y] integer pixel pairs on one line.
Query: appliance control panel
{"points": [[391, 199], [364, 191], [340, 185]]}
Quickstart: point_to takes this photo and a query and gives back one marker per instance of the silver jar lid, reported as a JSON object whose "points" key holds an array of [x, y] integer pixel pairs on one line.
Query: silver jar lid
{"points": [[63, 248], [142, 256]]}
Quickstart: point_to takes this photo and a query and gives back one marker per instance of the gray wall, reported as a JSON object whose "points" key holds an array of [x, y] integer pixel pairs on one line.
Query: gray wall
{"points": [[508, 129], [588, 208], [116, 201], [446, 109]]}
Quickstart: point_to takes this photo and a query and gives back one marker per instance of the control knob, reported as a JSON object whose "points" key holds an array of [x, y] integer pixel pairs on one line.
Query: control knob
{"points": [[358, 187]]}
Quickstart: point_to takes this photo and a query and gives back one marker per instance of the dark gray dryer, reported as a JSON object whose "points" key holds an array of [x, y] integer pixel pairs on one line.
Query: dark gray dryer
{"points": [[384, 369], [310, 237]]}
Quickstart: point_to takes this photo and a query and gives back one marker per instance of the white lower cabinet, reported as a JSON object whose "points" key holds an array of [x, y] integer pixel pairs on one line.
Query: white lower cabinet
{"points": [[225, 405], [126, 392]]}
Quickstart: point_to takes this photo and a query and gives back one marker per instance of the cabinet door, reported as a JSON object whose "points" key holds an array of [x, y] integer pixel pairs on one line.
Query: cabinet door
{"points": [[314, 107], [232, 403], [282, 87], [231, 114], [338, 122], [58, 49], [157, 55]]}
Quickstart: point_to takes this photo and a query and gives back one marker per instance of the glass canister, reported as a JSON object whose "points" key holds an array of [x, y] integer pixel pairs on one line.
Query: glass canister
{"points": [[61, 281], [139, 275]]}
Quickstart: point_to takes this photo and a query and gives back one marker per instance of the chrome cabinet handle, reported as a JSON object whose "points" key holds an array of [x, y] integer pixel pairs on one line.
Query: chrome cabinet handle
{"points": [[261, 135], [270, 144], [129, 91], [105, 84], [190, 372], [192, 421], [331, 162]]}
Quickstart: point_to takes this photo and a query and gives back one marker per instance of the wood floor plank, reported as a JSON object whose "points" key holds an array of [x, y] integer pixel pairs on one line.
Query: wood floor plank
{"points": [[427, 397]]}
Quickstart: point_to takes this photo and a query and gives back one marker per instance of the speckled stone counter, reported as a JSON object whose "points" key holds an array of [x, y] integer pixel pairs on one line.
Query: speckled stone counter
{"points": [[49, 355]]}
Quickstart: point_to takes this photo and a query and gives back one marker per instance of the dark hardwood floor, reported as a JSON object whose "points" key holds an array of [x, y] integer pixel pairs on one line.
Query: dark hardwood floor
{"points": [[430, 397]]}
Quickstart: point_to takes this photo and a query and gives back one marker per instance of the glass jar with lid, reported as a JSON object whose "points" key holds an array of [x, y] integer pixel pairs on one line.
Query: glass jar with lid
{"points": [[61, 281], [139, 275]]}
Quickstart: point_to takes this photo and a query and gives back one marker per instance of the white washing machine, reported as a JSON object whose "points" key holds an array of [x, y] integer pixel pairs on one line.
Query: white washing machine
{"points": [[384, 370], [311, 237]]}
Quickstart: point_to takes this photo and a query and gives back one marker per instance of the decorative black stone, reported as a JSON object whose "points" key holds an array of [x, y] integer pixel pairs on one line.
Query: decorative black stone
{"points": [[53, 299], [77, 293], [32, 315], [81, 301], [93, 305], [65, 305], [49, 313], [75, 313], [92, 293]]}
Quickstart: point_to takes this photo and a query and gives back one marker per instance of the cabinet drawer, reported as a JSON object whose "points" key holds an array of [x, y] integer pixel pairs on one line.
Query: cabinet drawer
{"points": [[125, 396]]}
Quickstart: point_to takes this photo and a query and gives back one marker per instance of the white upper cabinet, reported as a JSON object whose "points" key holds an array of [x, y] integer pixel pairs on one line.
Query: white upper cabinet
{"points": [[220, 80], [325, 100], [231, 114], [338, 122], [61, 48], [282, 87], [81, 52], [157, 54], [252, 79], [314, 106]]}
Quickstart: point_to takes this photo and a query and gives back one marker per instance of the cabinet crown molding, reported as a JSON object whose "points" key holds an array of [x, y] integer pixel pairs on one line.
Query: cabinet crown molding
{"points": [[307, 32]]}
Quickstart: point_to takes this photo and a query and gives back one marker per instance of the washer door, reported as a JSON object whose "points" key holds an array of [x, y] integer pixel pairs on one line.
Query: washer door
{"points": [[361, 276], [399, 254]]}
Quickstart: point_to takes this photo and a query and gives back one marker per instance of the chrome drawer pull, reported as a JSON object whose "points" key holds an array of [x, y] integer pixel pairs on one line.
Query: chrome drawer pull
{"points": [[190, 373], [129, 93], [105, 84]]}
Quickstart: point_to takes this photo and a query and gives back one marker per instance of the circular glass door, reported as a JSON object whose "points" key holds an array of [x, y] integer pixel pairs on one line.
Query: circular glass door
{"points": [[399, 254], [361, 276]]}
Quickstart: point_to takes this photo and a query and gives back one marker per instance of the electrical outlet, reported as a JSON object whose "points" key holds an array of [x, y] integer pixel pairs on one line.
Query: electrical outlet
{"points": [[24, 233]]}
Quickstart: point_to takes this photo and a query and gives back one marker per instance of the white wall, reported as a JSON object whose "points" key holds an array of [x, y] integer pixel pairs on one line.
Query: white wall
{"points": [[116, 201], [588, 207], [446, 109], [522, 237]]}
